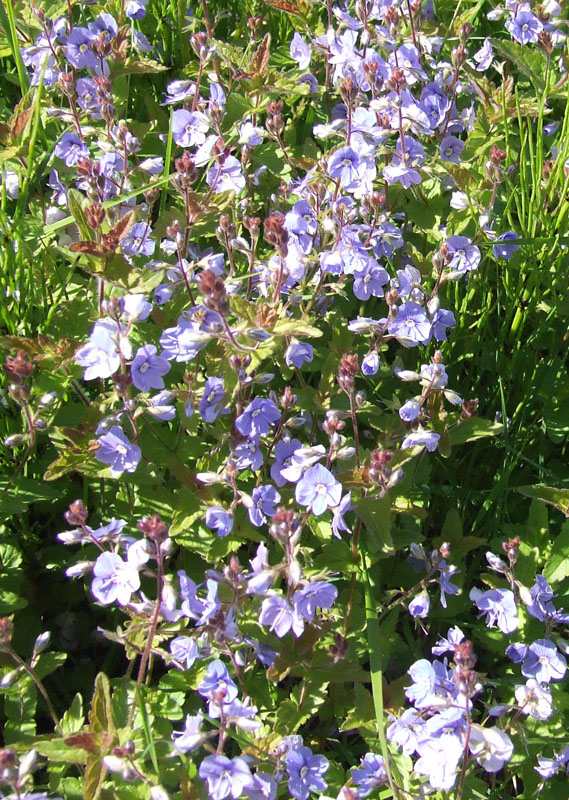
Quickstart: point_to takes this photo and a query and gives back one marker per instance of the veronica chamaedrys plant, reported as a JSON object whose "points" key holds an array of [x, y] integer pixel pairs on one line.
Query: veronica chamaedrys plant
{"points": [[255, 292]]}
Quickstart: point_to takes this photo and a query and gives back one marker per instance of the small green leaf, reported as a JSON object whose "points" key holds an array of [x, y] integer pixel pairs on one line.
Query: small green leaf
{"points": [[75, 204], [474, 428], [56, 750], [295, 327], [73, 719], [100, 718], [49, 662], [557, 567], [530, 62]]}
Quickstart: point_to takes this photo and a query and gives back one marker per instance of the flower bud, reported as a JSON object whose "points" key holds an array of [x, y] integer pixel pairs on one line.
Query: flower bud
{"points": [[47, 400], [42, 642], [9, 678], [27, 765], [15, 440]]}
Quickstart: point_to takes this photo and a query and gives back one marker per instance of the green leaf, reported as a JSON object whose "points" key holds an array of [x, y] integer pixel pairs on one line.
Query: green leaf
{"points": [[557, 567], [559, 498], [303, 704], [75, 204], [532, 63], [16, 498], [19, 711], [140, 66], [47, 663], [473, 428], [243, 309], [295, 327], [376, 517], [73, 719], [100, 717], [55, 749], [188, 511]]}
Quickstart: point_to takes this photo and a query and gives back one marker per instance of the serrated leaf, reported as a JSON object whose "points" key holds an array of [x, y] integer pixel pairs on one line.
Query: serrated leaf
{"points": [[292, 652], [296, 327], [559, 498], [95, 772], [302, 705], [46, 663], [474, 428], [243, 309], [9, 153], [557, 567], [75, 204], [100, 718], [259, 63], [529, 61], [55, 750], [188, 511], [140, 66], [73, 719]]}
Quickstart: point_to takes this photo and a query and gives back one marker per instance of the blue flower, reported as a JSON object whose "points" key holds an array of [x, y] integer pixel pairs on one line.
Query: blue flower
{"points": [[100, 354], [148, 369], [189, 128], [439, 760], [216, 684], [465, 256], [318, 594], [225, 776], [524, 27], [298, 353], [499, 606], [318, 489], [370, 363], [262, 787], [135, 9], [543, 662], [305, 772], [185, 650], [226, 177], [284, 450], [410, 410], [257, 418], [78, 51], [115, 579], [371, 773], [191, 736], [429, 439], [338, 521], [420, 606], [451, 148], [344, 165], [262, 502], [211, 404], [116, 451], [138, 240], [422, 692], [70, 148], [548, 767], [280, 616], [300, 51], [220, 520], [411, 326], [502, 250]]}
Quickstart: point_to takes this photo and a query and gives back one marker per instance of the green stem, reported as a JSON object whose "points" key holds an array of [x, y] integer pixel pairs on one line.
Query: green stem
{"points": [[376, 670], [8, 22]]}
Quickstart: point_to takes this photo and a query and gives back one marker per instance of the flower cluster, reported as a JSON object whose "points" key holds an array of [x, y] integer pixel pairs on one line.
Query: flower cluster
{"points": [[278, 460]]}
